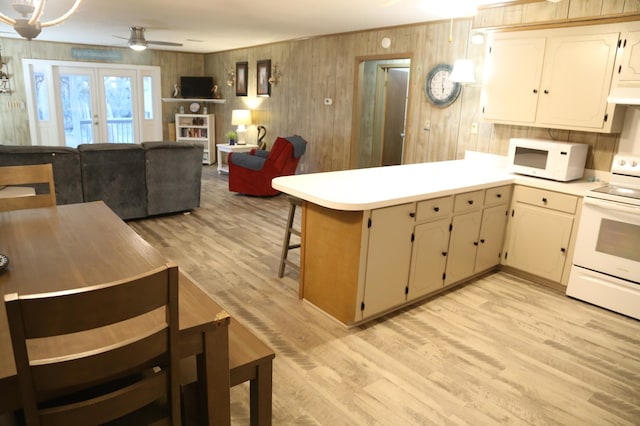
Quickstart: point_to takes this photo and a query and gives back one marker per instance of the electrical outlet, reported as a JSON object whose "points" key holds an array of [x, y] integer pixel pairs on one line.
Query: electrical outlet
{"points": [[474, 128], [427, 125]]}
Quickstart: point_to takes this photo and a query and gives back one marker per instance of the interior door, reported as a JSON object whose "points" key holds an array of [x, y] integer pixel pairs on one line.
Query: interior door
{"points": [[395, 115]]}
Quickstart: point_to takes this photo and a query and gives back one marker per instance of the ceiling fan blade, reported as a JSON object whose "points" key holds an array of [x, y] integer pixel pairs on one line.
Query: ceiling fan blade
{"points": [[123, 38], [164, 43]]}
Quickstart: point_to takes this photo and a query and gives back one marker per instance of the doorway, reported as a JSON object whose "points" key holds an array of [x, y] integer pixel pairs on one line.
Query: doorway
{"points": [[381, 111], [73, 103]]}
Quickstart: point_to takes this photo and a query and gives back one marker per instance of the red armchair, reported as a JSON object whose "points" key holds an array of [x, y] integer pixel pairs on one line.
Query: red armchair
{"points": [[251, 173]]}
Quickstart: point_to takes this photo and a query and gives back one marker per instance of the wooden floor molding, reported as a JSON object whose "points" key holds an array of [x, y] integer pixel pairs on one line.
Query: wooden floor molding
{"points": [[499, 350]]}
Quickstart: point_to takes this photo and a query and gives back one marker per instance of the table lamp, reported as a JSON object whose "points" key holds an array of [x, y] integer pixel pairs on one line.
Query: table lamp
{"points": [[241, 118]]}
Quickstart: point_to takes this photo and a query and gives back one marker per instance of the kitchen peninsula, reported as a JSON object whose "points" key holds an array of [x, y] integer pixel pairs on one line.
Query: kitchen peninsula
{"points": [[377, 239]]}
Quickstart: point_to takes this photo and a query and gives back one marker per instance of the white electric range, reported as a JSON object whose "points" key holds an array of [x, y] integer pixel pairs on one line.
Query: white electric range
{"points": [[606, 263]]}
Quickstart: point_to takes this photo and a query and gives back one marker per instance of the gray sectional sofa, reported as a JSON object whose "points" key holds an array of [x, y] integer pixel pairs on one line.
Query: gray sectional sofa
{"points": [[135, 181]]}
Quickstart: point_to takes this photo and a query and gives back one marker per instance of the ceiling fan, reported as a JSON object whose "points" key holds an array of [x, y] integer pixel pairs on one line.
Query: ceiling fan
{"points": [[136, 40]]}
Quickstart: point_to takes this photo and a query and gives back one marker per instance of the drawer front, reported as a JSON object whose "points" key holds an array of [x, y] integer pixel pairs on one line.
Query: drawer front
{"points": [[549, 199], [497, 195], [434, 209], [468, 201]]}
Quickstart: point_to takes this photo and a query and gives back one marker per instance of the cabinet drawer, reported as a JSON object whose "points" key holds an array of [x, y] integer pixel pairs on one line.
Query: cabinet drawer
{"points": [[434, 209], [549, 199], [497, 195], [468, 201]]}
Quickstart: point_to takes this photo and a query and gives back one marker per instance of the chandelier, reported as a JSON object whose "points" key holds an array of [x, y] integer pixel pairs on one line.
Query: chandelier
{"points": [[29, 26]]}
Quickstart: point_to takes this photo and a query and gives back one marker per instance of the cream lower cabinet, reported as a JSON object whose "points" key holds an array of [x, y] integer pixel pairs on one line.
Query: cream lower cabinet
{"points": [[358, 265], [388, 258], [540, 232]]}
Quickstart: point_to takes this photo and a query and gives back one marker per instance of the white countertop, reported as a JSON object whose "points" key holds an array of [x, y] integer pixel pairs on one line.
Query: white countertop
{"points": [[365, 189]]}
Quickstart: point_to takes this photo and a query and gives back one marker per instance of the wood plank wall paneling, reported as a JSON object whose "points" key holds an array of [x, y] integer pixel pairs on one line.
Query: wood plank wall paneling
{"points": [[324, 67]]}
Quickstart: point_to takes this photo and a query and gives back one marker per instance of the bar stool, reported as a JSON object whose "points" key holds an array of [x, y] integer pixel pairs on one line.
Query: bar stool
{"points": [[286, 245]]}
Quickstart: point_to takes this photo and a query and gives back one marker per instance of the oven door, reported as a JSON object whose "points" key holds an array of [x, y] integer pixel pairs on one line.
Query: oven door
{"points": [[609, 239]]}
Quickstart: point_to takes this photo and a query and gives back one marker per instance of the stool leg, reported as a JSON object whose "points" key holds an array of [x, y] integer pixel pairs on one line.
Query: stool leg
{"points": [[287, 239]]}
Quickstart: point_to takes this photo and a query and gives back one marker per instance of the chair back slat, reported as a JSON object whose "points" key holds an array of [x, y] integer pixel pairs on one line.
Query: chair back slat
{"points": [[28, 175], [111, 350]]}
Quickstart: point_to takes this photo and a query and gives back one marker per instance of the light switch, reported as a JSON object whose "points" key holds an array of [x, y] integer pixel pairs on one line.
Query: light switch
{"points": [[328, 101]]}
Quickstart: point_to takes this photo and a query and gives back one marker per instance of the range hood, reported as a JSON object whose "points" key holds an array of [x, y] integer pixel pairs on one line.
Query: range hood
{"points": [[624, 95]]}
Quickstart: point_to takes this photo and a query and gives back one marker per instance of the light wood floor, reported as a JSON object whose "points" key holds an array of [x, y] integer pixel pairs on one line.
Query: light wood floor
{"points": [[499, 350]]}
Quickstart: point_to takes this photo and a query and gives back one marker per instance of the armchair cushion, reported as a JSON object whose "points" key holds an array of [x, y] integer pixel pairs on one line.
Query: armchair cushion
{"points": [[253, 161]]}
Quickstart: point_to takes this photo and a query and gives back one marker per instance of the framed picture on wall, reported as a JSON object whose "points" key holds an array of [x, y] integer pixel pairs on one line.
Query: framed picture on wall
{"points": [[264, 74], [242, 69]]}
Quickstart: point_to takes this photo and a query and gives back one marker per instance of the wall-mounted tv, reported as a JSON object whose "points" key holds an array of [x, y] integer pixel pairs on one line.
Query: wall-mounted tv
{"points": [[196, 87]]}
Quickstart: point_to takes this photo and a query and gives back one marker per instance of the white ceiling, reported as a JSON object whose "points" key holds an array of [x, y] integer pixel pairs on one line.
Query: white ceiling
{"points": [[210, 26]]}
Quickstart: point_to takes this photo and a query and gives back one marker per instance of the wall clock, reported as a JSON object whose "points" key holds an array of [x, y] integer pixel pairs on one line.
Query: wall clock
{"points": [[440, 90]]}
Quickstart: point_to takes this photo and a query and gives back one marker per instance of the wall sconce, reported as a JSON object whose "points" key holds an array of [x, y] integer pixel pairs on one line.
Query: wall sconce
{"points": [[275, 74], [241, 118], [463, 71], [231, 77]]}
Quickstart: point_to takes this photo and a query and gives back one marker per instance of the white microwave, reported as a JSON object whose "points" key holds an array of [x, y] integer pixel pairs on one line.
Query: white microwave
{"points": [[561, 161]]}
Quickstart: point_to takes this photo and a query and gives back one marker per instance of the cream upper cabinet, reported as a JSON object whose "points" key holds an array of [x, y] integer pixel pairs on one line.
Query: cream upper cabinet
{"points": [[629, 68], [512, 78], [388, 258], [552, 78]]}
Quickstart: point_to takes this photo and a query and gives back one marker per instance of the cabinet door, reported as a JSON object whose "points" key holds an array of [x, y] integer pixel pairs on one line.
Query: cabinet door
{"points": [[512, 79], [538, 241], [388, 258], [494, 223], [576, 79], [630, 68], [461, 258], [429, 257]]}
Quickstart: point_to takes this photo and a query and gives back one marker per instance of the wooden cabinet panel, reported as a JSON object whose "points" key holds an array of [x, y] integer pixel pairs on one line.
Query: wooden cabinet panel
{"points": [[548, 199], [512, 78], [539, 241], [429, 257], [462, 246], [629, 69], [434, 209], [468, 201], [576, 79], [388, 258], [491, 240]]}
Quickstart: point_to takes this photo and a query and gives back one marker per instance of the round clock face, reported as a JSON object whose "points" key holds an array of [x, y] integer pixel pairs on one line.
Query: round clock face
{"points": [[440, 90], [194, 107]]}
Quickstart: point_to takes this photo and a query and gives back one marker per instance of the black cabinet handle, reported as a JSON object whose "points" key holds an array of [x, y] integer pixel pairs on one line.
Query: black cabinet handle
{"points": [[412, 214], [544, 200], [436, 209], [546, 92], [482, 240], [563, 250], [444, 253], [535, 90], [499, 195], [470, 202], [475, 243]]}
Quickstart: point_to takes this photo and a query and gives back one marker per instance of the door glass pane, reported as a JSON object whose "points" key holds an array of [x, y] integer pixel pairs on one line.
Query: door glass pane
{"points": [[75, 91], [119, 109], [147, 88], [42, 95]]}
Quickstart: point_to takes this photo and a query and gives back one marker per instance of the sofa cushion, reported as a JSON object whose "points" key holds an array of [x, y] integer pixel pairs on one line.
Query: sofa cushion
{"points": [[173, 172], [65, 163], [115, 174]]}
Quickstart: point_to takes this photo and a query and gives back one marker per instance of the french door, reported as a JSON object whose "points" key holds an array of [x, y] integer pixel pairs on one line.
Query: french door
{"points": [[72, 104]]}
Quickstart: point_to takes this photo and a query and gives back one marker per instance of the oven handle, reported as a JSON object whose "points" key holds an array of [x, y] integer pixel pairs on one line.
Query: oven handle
{"points": [[612, 205]]}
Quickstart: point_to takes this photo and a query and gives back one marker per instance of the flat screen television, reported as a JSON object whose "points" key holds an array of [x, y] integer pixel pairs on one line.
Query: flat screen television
{"points": [[196, 87]]}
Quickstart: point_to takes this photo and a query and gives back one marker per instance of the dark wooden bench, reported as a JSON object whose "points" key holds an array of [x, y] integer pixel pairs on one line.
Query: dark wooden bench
{"points": [[250, 359]]}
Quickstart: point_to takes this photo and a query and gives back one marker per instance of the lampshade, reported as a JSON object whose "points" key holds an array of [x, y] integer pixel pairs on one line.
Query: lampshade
{"points": [[463, 71], [240, 117]]}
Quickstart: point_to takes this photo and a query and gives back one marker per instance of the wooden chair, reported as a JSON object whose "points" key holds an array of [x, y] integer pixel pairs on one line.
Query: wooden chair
{"points": [[28, 175], [108, 370]]}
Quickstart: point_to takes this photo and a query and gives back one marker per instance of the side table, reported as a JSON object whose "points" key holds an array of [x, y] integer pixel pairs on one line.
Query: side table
{"points": [[225, 147]]}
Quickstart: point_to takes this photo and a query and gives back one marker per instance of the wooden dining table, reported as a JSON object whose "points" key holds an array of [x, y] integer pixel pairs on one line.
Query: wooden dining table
{"points": [[79, 245]]}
